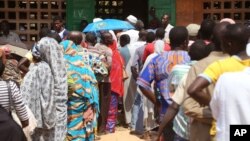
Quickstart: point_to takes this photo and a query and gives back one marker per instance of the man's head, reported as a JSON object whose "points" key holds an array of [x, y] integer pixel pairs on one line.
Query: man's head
{"points": [[55, 36], [152, 11], [150, 37], [165, 20], [91, 38], [106, 38], [83, 24], [235, 39], [76, 37], [44, 32], [217, 35], [5, 27], [160, 33], [58, 24], [206, 29], [142, 35], [178, 37], [199, 50], [124, 40], [139, 25]]}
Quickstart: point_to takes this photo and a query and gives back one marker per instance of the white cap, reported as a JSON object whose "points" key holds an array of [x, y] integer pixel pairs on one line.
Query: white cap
{"points": [[193, 29], [97, 20], [231, 21], [248, 49], [132, 19]]}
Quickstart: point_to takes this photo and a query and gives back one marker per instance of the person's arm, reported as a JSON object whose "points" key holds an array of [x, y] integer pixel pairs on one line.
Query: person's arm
{"points": [[149, 94], [2, 55], [135, 64], [23, 65], [109, 55], [178, 98], [210, 75], [136, 59], [191, 107], [172, 111], [144, 82], [19, 104], [25, 123], [134, 72], [195, 90]]}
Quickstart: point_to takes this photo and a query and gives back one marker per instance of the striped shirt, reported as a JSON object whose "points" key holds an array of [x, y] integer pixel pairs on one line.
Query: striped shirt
{"points": [[16, 97]]}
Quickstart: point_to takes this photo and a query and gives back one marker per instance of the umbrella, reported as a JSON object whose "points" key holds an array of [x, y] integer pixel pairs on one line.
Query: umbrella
{"points": [[108, 24]]}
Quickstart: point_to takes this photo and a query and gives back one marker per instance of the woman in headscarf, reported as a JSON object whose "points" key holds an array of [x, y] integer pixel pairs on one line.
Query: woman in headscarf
{"points": [[45, 90], [82, 94], [116, 78]]}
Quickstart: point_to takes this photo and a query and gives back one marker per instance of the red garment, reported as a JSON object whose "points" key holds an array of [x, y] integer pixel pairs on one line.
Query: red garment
{"points": [[149, 49], [116, 72]]}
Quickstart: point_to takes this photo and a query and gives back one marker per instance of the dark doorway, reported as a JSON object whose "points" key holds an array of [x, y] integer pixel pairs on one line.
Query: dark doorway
{"points": [[138, 8], [120, 9]]}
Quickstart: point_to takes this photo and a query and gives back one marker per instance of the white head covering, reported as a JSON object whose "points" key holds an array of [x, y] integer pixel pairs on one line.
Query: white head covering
{"points": [[231, 21], [97, 20], [132, 19], [248, 49], [159, 46], [193, 29]]}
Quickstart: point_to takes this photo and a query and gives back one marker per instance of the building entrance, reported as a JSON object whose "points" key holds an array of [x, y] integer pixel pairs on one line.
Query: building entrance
{"points": [[120, 9]]}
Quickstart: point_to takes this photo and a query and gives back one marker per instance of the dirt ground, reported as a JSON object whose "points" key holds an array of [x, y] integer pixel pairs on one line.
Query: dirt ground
{"points": [[122, 134]]}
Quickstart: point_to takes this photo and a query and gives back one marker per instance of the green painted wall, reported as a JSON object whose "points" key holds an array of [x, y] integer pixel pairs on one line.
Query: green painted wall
{"points": [[164, 6], [85, 9], [77, 10]]}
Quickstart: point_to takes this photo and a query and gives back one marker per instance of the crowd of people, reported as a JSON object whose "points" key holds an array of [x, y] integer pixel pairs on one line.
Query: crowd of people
{"points": [[186, 83]]}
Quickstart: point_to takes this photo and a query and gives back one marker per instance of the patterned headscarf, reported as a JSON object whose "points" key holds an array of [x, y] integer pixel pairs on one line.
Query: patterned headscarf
{"points": [[36, 51]]}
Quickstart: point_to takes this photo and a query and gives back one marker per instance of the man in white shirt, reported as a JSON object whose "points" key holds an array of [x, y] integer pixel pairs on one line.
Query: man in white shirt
{"points": [[59, 28], [230, 102], [132, 33], [165, 23]]}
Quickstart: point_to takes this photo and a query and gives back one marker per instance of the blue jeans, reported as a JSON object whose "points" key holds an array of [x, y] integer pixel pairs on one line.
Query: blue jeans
{"points": [[137, 114]]}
